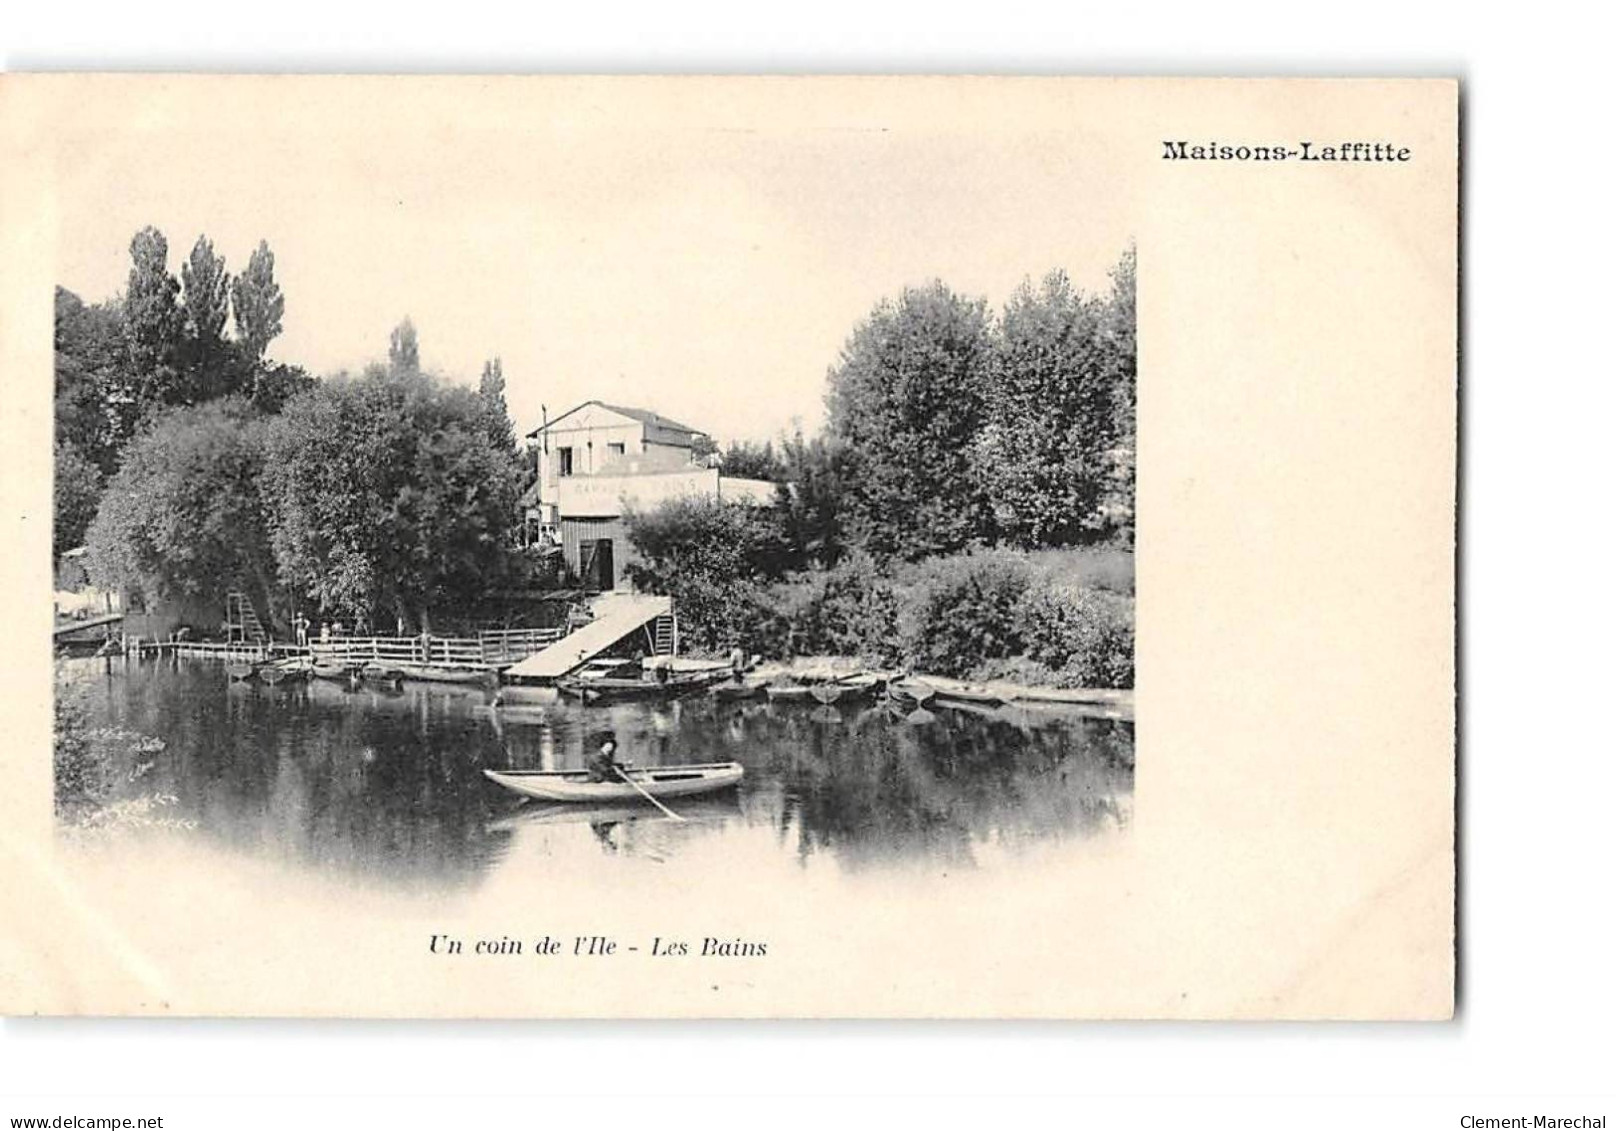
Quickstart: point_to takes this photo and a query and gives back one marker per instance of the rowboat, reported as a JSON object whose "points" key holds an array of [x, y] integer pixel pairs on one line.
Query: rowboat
{"points": [[376, 673], [241, 669], [659, 781], [841, 693], [969, 695], [609, 688], [911, 693], [431, 673], [340, 673], [789, 693], [290, 671], [730, 692]]}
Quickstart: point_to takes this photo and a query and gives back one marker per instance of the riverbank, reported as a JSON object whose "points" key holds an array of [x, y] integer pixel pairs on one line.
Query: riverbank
{"points": [[1116, 702], [1032, 619]]}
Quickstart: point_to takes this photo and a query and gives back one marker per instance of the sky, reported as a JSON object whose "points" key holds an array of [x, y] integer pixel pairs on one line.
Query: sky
{"points": [[707, 271]]}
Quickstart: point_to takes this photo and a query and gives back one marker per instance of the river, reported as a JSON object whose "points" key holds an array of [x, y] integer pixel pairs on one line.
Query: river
{"points": [[381, 788]]}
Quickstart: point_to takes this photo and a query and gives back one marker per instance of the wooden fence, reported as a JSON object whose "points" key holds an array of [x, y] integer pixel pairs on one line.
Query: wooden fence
{"points": [[496, 648]]}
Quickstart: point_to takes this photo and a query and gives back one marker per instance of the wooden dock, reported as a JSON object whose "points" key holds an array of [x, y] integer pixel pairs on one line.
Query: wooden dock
{"points": [[489, 651]]}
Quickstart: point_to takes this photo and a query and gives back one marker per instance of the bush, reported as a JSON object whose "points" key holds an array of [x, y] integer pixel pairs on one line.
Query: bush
{"points": [[1083, 635], [83, 781], [1088, 567], [961, 610], [715, 560], [850, 610], [91, 764]]}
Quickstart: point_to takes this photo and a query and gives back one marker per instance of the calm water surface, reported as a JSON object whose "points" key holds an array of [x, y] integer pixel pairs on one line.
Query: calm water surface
{"points": [[386, 788]]}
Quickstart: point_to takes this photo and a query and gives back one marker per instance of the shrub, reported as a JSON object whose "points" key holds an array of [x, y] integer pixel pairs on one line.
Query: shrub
{"points": [[1084, 635], [849, 610], [83, 781], [715, 560], [92, 763], [1088, 567], [961, 610]]}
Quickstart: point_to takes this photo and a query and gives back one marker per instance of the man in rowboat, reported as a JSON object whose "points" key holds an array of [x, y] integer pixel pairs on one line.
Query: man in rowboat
{"points": [[604, 765]]}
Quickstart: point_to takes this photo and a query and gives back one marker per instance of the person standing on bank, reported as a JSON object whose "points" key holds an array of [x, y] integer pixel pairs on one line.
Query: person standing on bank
{"points": [[604, 766]]}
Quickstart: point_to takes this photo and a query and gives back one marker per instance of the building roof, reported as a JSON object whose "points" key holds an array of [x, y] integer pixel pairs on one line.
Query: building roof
{"points": [[643, 415], [655, 419]]}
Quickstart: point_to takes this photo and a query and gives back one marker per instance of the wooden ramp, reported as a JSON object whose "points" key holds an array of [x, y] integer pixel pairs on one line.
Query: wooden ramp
{"points": [[616, 616], [70, 627]]}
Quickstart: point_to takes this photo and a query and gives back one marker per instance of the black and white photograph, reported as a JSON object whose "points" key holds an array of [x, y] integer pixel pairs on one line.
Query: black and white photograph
{"points": [[506, 519]]}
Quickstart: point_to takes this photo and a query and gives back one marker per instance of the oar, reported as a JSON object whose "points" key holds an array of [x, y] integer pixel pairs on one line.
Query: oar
{"points": [[646, 795]]}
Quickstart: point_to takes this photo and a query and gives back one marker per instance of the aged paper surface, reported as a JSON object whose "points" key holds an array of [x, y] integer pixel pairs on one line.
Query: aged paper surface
{"points": [[1290, 848]]}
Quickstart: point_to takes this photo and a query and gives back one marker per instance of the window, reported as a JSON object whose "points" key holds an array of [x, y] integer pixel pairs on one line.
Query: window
{"points": [[614, 449], [564, 457]]}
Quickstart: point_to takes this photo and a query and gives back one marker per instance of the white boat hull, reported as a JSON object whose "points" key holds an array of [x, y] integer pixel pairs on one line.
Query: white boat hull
{"points": [[658, 781]]}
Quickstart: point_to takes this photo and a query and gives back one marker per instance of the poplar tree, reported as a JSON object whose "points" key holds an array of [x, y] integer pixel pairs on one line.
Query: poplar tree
{"points": [[258, 304], [491, 390], [1044, 454], [403, 349], [153, 324], [907, 400], [206, 305]]}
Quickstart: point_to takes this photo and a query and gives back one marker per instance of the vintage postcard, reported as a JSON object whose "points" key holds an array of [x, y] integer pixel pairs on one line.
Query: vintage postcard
{"points": [[947, 547]]}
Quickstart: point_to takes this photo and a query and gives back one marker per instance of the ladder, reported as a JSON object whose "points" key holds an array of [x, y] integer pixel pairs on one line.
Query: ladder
{"points": [[240, 617], [665, 635]]}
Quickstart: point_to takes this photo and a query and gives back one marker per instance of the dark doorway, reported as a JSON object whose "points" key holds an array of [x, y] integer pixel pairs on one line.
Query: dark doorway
{"points": [[595, 565]]}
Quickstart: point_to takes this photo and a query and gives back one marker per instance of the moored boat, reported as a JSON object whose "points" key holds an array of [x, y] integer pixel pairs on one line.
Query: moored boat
{"points": [[911, 693], [242, 669], [339, 673], [285, 671], [380, 673], [789, 693], [431, 673], [839, 694], [970, 695], [574, 786], [612, 688], [731, 692]]}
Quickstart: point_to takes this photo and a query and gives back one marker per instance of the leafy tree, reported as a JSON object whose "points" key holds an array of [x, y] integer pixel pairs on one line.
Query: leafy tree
{"points": [[907, 399], [387, 497], [276, 384], [702, 446], [491, 391], [713, 558], [258, 304], [183, 516], [94, 400], [78, 492], [403, 349], [1045, 449], [812, 500], [209, 359], [1120, 332], [153, 325], [744, 459]]}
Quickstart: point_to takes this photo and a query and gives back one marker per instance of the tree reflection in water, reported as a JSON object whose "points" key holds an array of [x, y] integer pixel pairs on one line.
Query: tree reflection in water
{"points": [[386, 786]]}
